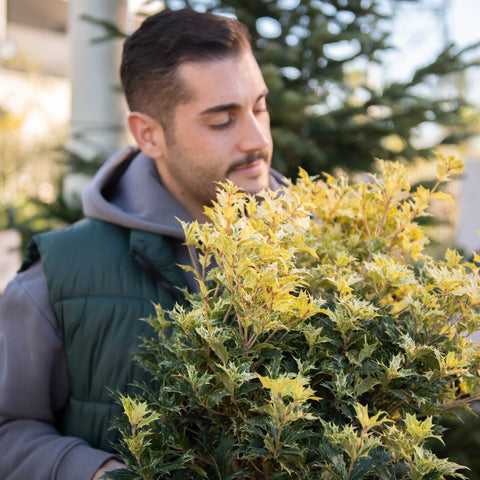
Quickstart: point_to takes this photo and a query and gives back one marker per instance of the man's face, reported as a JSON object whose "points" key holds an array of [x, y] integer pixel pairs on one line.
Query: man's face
{"points": [[222, 132]]}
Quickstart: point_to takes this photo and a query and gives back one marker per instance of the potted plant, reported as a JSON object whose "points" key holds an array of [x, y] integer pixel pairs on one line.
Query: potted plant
{"points": [[323, 343]]}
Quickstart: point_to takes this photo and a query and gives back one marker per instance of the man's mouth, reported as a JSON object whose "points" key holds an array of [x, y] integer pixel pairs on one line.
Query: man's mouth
{"points": [[253, 163]]}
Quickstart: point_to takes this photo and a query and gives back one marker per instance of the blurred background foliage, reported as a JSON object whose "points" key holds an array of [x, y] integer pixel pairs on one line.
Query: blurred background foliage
{"points": [[31, 191]]}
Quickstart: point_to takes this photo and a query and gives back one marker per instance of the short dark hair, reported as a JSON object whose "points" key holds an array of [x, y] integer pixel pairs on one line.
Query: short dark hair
{"points": [[153, 53]]}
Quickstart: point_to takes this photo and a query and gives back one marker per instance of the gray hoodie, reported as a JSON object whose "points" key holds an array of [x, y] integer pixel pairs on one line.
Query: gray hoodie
{"points": [[34, 385]]}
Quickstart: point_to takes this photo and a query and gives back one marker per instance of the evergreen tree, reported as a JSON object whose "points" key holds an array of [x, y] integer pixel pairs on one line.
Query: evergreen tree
{"points": [[316, 57]]}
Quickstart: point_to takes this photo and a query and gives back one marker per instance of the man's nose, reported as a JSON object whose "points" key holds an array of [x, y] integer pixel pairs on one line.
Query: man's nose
{"points": [[255, 134]]}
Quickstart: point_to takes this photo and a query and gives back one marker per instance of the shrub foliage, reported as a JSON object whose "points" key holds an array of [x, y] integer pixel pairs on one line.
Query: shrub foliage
{"points": [[323, 342]]}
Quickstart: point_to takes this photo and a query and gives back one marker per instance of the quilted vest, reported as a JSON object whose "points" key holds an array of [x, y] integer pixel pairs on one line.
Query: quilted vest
{"points": [[102, 280]]}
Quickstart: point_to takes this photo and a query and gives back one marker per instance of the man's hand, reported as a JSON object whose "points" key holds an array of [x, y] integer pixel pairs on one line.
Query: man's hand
{"points": [[109, 465]]}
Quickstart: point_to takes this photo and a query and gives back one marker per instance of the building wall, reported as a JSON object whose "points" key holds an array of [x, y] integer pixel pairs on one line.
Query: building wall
{"points": [[44, 14]]}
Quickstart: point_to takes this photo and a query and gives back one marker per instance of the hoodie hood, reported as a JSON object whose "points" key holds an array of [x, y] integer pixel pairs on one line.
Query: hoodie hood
{"points": [[127, 191]]}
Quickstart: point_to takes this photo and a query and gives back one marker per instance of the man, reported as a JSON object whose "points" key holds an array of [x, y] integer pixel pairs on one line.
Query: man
{"points": [[69, 320]]}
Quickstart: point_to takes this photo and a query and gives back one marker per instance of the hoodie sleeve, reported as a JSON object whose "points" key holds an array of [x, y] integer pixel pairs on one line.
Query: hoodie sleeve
{"points": [[34, 388]]}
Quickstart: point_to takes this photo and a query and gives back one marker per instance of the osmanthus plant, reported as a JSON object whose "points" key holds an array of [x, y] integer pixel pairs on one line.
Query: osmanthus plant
{"points": [[323, 343]]}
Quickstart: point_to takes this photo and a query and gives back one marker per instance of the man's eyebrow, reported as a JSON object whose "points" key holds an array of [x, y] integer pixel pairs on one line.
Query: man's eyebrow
{"points": [[221, 108], [228, 106]]}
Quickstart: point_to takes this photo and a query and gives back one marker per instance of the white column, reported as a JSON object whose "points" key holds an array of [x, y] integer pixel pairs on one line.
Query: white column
{"points": [[98, 109], [7, 47]]}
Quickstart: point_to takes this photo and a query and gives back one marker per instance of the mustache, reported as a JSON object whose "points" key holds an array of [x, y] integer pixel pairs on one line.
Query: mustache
{"points": [[247, 160]]}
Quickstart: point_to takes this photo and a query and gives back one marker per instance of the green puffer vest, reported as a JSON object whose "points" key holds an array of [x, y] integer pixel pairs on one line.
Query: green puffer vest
{"points": [[102, 279]]}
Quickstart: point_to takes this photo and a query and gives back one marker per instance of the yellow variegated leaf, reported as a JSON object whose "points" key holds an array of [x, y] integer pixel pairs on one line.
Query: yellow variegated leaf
{"points": [[442, 196]]}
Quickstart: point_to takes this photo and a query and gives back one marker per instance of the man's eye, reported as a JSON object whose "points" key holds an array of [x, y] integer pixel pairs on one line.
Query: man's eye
{"points": [[219, 126], [261, 107], [261, 110]]}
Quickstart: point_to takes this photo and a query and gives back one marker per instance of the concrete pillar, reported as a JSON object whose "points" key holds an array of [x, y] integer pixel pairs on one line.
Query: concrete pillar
{"points": [[7, 47], [97, 107]]}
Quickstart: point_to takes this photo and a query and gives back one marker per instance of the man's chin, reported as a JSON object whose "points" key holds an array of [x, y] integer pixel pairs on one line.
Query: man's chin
{"points": [[254, 188], [251, 183]]}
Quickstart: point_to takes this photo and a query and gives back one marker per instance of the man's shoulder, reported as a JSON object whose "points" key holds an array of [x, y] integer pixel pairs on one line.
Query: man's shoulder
{"points": [[75, 240], [82, 239], [85, 226]]}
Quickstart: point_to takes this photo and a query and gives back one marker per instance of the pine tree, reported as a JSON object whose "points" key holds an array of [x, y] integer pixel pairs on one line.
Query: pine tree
{"points": [[325, 111]]}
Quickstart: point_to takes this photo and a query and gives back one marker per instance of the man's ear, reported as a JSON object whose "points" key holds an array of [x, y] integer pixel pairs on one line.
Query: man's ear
{"points": [[148, 134]]}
